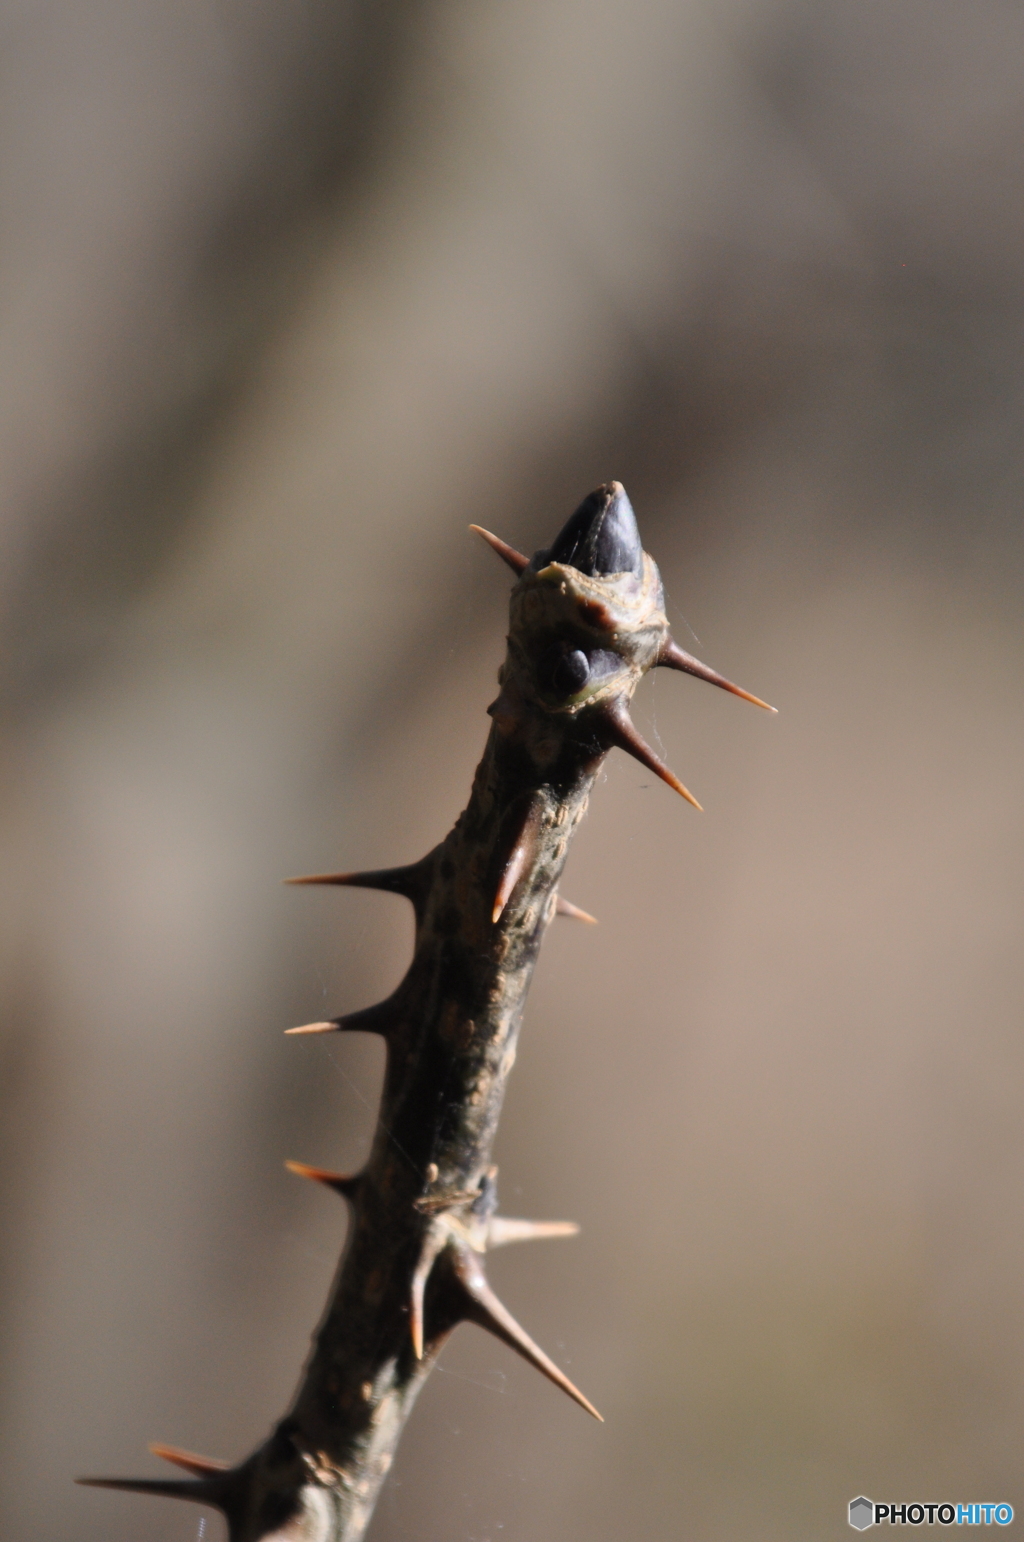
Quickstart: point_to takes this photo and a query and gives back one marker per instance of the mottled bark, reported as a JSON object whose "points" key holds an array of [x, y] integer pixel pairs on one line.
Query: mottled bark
{"points": [[586, 622]]}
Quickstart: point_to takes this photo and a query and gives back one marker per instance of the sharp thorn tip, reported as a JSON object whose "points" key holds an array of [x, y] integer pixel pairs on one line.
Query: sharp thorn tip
{"points": [[675, 657], [375, 1019], [483, 1307], [412, 881], [502, 1230], [515, 559], [622, 731], [432, 1244], [343, 1183], [201, 1490], [199, 1466], [517, 860]]}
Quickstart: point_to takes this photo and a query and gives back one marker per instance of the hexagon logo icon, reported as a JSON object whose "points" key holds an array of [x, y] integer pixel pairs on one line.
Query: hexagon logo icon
{"points": [[862, 1513]]}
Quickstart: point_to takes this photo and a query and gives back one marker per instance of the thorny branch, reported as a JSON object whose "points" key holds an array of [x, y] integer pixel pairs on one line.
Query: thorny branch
{"points": [[586, 623]]}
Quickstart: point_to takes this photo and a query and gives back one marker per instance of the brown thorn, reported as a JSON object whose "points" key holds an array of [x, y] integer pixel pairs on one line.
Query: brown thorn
{"points": [[523, 848], [416, 1314], [375, 1019], [481, 1305], [202, 1490], [675, 657], [564, 907], [432, 1245], [411, 882], [501, 1230], [199, 1466], [341, 1183], [622, 731], [515, 559], [510, 877]]}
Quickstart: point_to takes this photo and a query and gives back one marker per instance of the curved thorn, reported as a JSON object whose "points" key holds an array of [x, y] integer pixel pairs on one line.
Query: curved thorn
{"points": [[412, 882], [342, 1183], [199, 1466], [502, 1230], [622, 731], [675, 657], [375, 1019], [481, 1305], [564, 907], [202, 1491], [515, 559]]}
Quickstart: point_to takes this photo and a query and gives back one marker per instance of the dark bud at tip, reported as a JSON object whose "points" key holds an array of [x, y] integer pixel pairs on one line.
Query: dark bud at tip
{"points": [[601, 537]]}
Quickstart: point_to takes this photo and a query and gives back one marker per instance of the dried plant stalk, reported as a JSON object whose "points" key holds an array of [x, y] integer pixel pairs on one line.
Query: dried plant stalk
{"points": [[586, 623]]}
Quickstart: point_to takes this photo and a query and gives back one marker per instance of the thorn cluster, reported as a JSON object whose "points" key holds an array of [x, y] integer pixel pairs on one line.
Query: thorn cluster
{"points": [[586, 622]]}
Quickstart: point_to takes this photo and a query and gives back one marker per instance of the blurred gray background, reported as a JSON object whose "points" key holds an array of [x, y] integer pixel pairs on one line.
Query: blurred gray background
{"points": [[291, 292]]}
